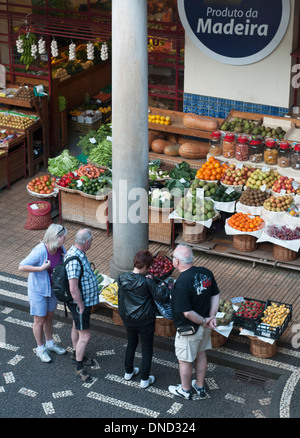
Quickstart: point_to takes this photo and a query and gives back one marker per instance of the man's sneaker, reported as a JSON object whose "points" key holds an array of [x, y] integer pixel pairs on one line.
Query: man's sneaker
{"points": [[200, 391], [128, 376], [43, 355], [178, 390], [148, 382], [56, 348]]}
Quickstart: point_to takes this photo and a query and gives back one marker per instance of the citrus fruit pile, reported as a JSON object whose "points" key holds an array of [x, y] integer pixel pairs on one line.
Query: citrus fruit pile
{"points": [[211, 170], [157, 118], [245, 222], [275, 314]]}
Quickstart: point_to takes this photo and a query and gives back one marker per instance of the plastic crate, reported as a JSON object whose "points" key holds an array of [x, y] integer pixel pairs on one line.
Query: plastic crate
{"points": [[248, 323], [266, 331]]}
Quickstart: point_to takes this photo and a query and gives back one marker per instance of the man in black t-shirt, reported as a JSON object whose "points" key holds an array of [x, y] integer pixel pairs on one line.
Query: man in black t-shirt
{"points": [[195, 301]]}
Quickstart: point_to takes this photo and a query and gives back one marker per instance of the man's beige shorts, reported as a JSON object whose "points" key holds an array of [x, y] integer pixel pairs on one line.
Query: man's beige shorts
{"points": [[187, 347]]}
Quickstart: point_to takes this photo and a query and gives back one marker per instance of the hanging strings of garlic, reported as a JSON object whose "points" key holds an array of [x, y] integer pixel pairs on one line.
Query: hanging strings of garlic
{"points": [[54, 48], [72, 52], [104, 52], [19, 44], [41, 46], [34, 50], [90, 51]]}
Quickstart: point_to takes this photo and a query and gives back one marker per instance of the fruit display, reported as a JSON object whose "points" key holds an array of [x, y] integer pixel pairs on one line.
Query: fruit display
{"points": [[158, 119], [6, 135], [209, 188], [223, 194], [43, 185], [239, 125], [294, 210], [284, 183], [266, 131], [193, 208], [248, 314], [226, 312], [15, 121], [236, 176], [211, 170], [258, 178], [283, 232], [161, 267], [110, 294], [278, 203], [275, 314], [246, 222], [253, 197], [24, 93]]}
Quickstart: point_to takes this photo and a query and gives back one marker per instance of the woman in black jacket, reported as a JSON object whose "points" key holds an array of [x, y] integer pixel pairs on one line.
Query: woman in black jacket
{"points": [[138, 312]]}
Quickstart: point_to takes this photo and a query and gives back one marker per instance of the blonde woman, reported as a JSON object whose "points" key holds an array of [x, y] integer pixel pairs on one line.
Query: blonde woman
{"points": [[39, 264]]}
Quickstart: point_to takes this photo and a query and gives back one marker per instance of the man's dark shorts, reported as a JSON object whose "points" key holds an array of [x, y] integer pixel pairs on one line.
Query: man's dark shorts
{"points": [[82, 321]]}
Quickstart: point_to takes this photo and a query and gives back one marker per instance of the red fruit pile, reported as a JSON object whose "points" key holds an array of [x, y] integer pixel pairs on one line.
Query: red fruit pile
{"points": [[161, 266], [250, 309]]}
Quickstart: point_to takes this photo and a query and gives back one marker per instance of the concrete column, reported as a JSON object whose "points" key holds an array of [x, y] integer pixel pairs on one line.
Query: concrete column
{"points": [[130, 154]]}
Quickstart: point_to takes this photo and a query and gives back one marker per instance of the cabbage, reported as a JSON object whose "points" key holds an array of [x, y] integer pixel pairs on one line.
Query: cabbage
{"points": [[62, 164]]}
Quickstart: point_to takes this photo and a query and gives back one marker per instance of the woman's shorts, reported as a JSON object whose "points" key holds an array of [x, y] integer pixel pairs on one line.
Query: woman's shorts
{"points": [[81, 320], [187, 347], [40, 305]]}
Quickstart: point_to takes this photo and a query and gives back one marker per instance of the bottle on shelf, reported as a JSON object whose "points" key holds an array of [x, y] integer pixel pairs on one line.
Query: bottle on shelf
{"points": [[242, 148], [256, 150], [229, 145], [284, 154], [295, 157], [215, 146], [270, 152]]}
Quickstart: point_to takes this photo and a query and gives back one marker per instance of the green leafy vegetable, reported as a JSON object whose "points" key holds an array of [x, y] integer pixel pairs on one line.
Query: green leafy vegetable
{"points": [[62, 164]]}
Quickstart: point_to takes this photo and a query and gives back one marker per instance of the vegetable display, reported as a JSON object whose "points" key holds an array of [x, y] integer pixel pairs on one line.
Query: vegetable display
{"points": [[43, 185], [161, 267], [94, 138]]}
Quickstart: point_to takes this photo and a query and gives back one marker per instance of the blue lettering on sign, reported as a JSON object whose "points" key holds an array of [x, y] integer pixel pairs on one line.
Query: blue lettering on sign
{"points": [[238, 32]]}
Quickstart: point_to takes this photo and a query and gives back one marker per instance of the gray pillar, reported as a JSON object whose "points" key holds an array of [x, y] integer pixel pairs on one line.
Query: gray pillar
{"points": [[130, 154]]}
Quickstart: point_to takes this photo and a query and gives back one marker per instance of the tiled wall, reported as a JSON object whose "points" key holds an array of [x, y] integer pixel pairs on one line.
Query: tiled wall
{"points": [[217, 107]]}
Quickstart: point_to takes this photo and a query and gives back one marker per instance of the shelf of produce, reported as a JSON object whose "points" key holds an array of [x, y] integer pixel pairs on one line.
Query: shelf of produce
{"points": [[177, 126], [215, 245], [19, 102], [170, 161]]}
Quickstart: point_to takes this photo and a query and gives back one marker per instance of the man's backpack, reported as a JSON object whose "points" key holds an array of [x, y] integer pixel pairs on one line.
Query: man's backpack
{"points": [[60, 282]]}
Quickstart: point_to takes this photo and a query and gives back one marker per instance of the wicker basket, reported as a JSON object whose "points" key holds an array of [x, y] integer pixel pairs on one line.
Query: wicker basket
{"points": [[283, 254], [217, 340], [262, 349], [244, 242], [193, 232], [164, 327]]}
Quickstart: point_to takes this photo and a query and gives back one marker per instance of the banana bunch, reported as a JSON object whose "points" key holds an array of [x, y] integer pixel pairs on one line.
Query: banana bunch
{"points": [[28, 41], [110, 293]]}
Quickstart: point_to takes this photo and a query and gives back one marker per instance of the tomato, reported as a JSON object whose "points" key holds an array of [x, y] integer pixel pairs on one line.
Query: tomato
{"points": [[46, 177], [52, 184], [53, 179], [48, 183]]}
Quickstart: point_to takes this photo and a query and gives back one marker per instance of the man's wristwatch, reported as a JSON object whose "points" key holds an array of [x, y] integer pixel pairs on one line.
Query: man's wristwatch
{"points": [[204, 320]]}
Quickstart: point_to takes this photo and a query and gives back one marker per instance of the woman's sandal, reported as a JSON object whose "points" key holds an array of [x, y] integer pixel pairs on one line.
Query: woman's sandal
{"points": [[83, 375]]}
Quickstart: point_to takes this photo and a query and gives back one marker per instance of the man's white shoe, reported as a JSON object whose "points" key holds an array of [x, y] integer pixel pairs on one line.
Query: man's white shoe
{"points": [[148, 382], [128, 376], [43, 355]]}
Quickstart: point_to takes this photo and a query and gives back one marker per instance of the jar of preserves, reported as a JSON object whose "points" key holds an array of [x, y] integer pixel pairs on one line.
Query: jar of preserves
{"points": [[284, 154], [242, 148], [270, 152], [256, 150], [229, 144], [295, 157], [215, 145]]}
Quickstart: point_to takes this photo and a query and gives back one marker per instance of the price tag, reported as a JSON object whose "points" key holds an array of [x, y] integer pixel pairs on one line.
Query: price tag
{"points": [[282, 192], [265, 169], [263, 188], [220, 314], [200, 193], [182, 180], [239, 165], [295, 185], [109, 138], [93, 140], [229, 190]]}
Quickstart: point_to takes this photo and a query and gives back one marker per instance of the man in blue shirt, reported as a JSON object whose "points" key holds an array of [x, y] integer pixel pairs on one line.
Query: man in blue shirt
{"points": [[85, 295]]}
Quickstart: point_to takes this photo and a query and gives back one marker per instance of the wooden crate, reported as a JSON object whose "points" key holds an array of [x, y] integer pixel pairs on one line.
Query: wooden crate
{"points": [[160, 226], [16, 166], [78, 208], [83, 128]]}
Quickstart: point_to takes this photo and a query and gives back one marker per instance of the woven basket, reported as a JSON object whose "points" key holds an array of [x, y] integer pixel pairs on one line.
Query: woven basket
{"points": [[283, 254], [244, 242], [262, 349], [217, 340], [40, 218], [193, 232], [164, 327]]}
